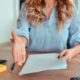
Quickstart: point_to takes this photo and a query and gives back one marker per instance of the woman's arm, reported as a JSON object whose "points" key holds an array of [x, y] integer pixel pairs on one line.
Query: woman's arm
{"points": [[18, 48], [74, 37], [20, 39], [70, 53]]}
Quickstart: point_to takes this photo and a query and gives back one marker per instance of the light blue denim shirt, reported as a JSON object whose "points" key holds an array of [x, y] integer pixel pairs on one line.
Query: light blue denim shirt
{"points": [[47, 37]]}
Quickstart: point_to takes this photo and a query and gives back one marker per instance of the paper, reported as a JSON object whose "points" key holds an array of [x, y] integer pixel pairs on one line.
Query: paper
{"points": [[42, 62]]}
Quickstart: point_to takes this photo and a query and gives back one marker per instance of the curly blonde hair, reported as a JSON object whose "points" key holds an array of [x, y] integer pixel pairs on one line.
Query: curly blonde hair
{"points": [[34, 11]]}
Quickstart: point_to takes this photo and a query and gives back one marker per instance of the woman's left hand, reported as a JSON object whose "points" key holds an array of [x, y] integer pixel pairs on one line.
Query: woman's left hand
{"points": [[69, 54]]}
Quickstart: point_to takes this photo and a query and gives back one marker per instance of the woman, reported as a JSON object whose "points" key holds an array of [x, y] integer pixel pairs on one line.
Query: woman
{"points": [[46, 26]]}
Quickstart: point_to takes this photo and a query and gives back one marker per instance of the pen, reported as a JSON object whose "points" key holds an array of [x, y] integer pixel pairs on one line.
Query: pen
{"points": [[12, 67], [2, 61], [58, 57]]}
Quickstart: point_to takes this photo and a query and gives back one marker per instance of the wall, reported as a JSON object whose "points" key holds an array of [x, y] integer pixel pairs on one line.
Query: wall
{"points": [[8, 16]]}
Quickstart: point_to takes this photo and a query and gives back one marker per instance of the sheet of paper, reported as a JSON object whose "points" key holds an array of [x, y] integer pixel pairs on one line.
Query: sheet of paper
{"points": [[42, 62]]}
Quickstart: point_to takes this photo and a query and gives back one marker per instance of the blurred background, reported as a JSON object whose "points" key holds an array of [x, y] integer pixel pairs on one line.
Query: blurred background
{"points": [[9, 12]]}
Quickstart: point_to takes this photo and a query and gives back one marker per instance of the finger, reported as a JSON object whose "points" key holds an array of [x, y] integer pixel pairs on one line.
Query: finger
{"points": [[14, 56], [14, 52], [14, 36], [24, 55], [20, 56], [18, 53], [63, 53], [68, 58]]}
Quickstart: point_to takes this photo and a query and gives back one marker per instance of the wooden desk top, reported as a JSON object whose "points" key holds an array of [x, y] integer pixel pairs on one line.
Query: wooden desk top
{"points": [[73, 70]]}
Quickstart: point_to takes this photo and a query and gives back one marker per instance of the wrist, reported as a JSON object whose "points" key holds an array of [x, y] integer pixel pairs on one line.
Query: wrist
{"points": [[77, 49], [24, 41]]}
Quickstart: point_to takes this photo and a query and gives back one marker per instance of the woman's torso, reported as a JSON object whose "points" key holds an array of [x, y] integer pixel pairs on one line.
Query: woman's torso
{"points": [[46, 37]]}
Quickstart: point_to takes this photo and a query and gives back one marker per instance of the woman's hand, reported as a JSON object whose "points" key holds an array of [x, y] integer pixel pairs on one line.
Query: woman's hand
{"points": [[69, 53], [18, 49]]}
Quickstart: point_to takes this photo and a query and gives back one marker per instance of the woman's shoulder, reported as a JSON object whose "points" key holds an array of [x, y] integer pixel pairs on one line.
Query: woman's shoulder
{"points": [[75, 11], [23, 7], [23, 10]]}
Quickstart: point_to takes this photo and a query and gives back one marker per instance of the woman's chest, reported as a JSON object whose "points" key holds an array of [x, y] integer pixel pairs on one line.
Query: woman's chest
{"points": [[49, 31]]}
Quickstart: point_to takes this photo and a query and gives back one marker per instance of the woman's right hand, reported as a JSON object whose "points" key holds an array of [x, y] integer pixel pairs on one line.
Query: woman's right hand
{"points": [[18, 49]]}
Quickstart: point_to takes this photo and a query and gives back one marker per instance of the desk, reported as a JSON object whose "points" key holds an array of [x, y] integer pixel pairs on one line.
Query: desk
{"points": [[73, 70]]}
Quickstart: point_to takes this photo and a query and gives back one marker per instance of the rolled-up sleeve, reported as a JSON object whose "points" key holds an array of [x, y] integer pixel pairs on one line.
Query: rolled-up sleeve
{"points": [[74, 29], [23, 25]]}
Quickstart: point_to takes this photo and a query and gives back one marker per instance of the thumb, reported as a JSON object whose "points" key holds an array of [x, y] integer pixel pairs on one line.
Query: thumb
{"points": [[14, 36]]}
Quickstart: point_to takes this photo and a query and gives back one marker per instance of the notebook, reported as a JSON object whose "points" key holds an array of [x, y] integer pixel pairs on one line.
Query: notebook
{"points": [[3, 67], [43, 62]]}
